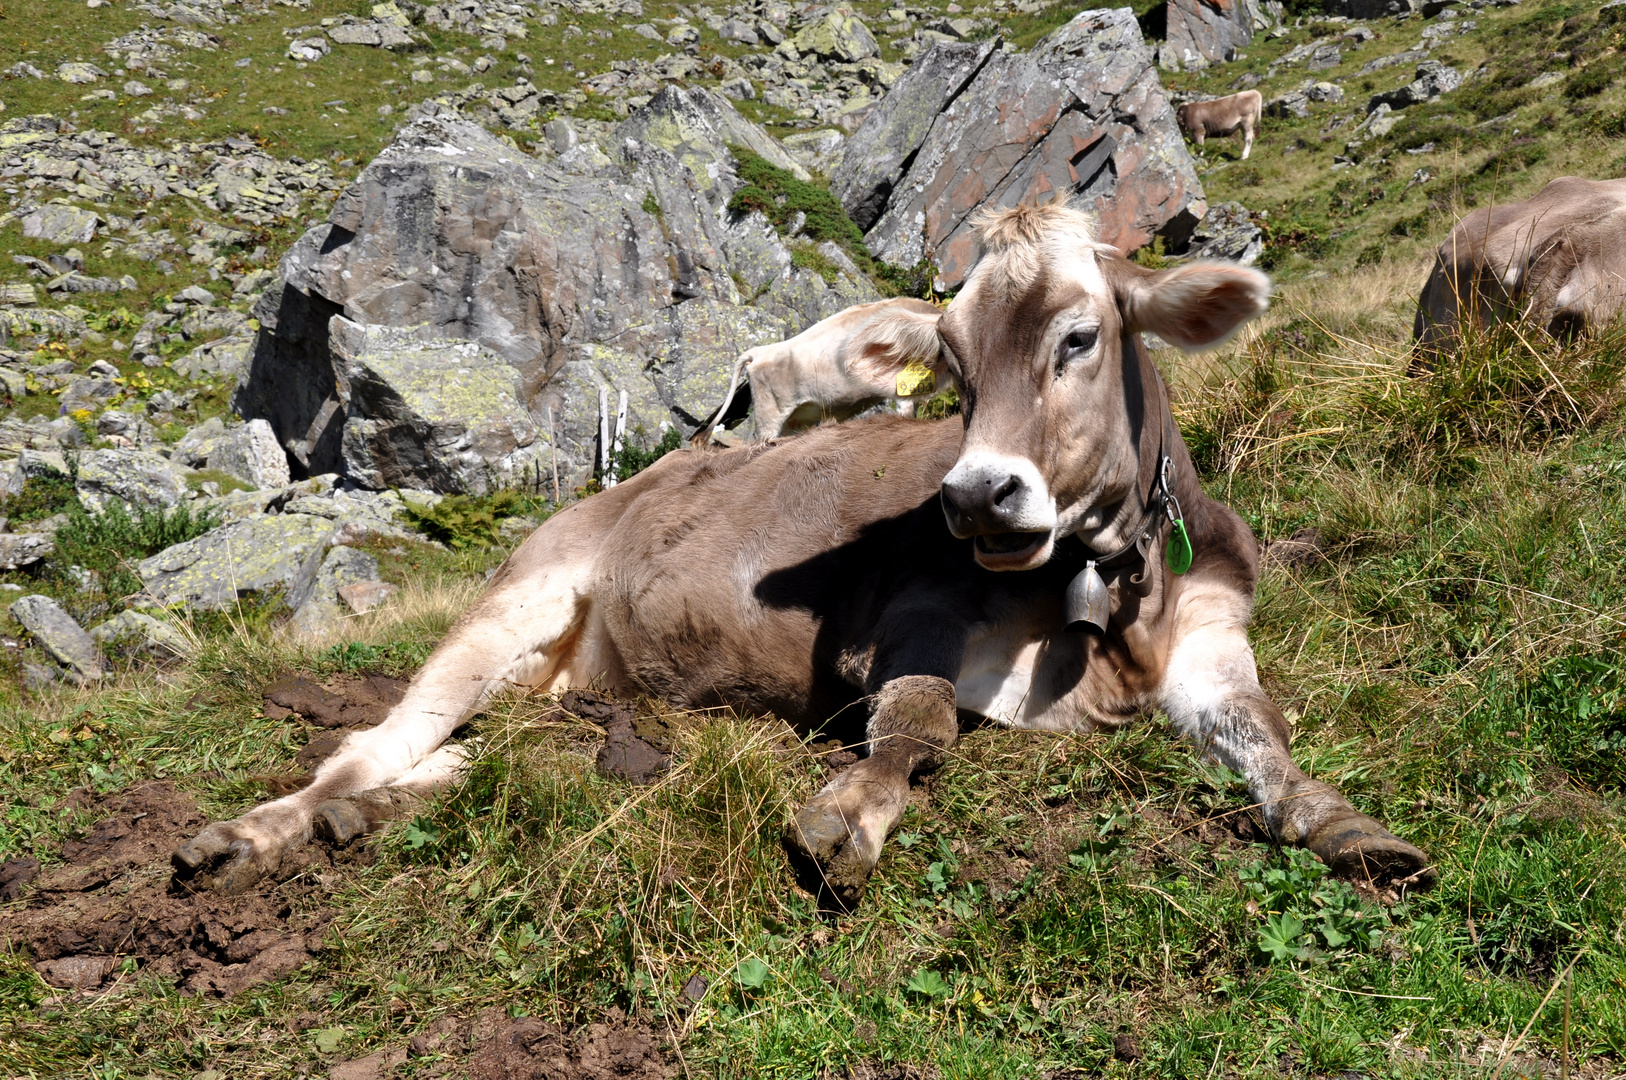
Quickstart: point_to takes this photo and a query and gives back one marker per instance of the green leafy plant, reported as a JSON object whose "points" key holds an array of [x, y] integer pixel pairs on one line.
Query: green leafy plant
{"points": [[929, 983], [42, 497], [1305, 909], [464, 522], [752, 974], [110, 542], [779, 196], [636, 454]]}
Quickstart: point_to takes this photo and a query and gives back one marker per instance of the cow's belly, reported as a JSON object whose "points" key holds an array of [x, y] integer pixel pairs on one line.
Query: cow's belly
{"points": [[1049, 681]]}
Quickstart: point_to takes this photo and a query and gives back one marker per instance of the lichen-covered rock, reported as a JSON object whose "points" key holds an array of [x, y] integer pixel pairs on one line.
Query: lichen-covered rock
{"points": [[549, 267], [1201, 32], [836, 34], [134, 477], [249, 452], [19, 550], [140, 629], [238, 560], [1433, 79], [1082, 117], [317, 606], [1227, 231], [816, 150], [438, 414], [60, 636], [874, 157], [697, 127], [60, 223]]}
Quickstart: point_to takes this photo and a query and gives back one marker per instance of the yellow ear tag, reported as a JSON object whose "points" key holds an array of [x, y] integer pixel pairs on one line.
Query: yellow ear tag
{"points": [[916, 378]]}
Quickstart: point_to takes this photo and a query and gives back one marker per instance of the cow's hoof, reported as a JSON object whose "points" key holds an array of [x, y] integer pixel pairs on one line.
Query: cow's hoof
{"points": [[1358, 847], [339, 821], [837, 851], [223, 859]]}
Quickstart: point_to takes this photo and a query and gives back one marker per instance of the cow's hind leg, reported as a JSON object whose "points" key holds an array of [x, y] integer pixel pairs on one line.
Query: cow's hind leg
{"points": [[339, 821], [1212, 695], [523, 632], [838, 835]]}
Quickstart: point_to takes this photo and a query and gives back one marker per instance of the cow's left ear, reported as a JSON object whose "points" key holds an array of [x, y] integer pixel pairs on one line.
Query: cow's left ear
{"points": [[1194, 306], [897, 339]]}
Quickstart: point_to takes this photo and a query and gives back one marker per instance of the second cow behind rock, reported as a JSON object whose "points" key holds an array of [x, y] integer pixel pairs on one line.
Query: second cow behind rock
{"points": [[838, 367]]}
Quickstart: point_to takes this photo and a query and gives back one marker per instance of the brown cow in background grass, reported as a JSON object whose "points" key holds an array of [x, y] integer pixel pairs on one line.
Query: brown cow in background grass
{"points": [[1223, 116]]}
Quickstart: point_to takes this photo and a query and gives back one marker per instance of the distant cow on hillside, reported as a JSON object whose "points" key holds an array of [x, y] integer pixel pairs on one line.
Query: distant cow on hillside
{"points": [[1557, 258], [1224, 116]]}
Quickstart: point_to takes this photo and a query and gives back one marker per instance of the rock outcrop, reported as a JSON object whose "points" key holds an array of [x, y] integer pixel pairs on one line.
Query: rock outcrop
{"points": [[585, 274], [1432, 79], [1202, 32], [874, 158], [1082, 117]]}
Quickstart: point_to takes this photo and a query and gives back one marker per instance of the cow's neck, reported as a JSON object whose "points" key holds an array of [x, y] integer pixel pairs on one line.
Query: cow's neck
{"points": [[1140, 521]]}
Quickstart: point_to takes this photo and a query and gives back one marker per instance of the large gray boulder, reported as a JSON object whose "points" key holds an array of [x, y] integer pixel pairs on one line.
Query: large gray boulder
{"points": [[1082, 117], [238, 560], [1201, 32], [1432, 79], [875, 156], [317, 606], [133, 477], [586, 275], [697, 127], [443, 415]]}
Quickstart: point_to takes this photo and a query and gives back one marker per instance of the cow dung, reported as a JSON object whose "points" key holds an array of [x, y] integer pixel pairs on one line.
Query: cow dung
{"points": [[110, 900]]}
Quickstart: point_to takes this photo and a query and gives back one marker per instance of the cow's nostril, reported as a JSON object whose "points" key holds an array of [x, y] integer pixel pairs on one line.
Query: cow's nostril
{"points": [[1010, 487]]}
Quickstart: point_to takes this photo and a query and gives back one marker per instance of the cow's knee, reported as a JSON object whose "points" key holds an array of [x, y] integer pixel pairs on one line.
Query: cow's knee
{"points": [[839, 834]]}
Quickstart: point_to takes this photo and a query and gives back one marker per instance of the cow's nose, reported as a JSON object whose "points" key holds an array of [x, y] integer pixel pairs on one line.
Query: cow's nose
{"points": [[995, 496]]}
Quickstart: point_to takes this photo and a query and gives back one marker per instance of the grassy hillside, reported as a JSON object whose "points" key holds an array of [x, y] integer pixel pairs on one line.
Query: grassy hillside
{"points": [[1054, 905]]}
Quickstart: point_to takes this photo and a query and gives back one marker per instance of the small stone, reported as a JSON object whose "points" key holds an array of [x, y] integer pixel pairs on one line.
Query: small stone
{"points": [[136, 88], [364, 596], [195, 294], [142, 629], [311, 49], [56, 223], [60, 636], [423, 75], [79, 73]]}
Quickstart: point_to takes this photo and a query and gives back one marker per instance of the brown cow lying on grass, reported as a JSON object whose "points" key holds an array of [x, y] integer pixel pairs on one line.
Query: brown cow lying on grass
{"points": [[806, 575], [1557, 258], [1223, 116], [833, 370]]}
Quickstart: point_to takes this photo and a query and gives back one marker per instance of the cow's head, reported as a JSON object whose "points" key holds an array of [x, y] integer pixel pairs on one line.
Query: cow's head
{"points": [[1062, 410]]}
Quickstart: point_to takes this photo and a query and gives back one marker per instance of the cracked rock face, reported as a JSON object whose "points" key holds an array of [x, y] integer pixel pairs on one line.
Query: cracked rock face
{"points": [[580, 275], [1081, 117], [1202, 32]]}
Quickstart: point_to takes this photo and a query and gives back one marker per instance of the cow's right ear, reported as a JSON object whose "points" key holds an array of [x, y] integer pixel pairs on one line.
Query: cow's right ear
{"points": [[895, 344], [1195, 306]]}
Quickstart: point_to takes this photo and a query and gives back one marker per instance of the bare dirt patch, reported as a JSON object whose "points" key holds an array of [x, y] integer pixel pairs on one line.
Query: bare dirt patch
{"points": [[494, 1046], [110, 900], [336, 706]]}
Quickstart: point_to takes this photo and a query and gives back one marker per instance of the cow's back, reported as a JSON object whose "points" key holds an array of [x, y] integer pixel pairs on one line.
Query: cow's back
{"points": [[1562, 248]]}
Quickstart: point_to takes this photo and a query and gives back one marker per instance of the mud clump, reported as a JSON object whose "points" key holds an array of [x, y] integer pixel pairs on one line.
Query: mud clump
{"points": [[531, 1049], [349, 701], [636, 748], [111, 901]]}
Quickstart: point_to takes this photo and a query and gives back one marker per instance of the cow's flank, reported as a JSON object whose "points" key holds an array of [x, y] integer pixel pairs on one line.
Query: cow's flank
{"points": [[1557, 258], [817, 575]]}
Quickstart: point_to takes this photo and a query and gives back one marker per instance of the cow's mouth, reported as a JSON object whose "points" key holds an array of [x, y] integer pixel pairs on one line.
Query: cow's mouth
{"points": [[1011, 550]]}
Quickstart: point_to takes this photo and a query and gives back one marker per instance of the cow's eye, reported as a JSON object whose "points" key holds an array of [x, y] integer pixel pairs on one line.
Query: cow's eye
{"points": [[1076, 345]]}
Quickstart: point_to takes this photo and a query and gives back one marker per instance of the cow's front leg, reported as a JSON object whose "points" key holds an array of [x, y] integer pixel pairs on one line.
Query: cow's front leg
{"points": [[1212, 695], [912, 725]]}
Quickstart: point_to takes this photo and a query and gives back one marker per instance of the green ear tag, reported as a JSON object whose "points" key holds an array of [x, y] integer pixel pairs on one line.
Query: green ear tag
{"points": [[1178, 553]]}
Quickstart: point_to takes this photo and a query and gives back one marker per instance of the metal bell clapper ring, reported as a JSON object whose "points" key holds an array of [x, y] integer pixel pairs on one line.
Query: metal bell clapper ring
{"points": [[1088, 604]]}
